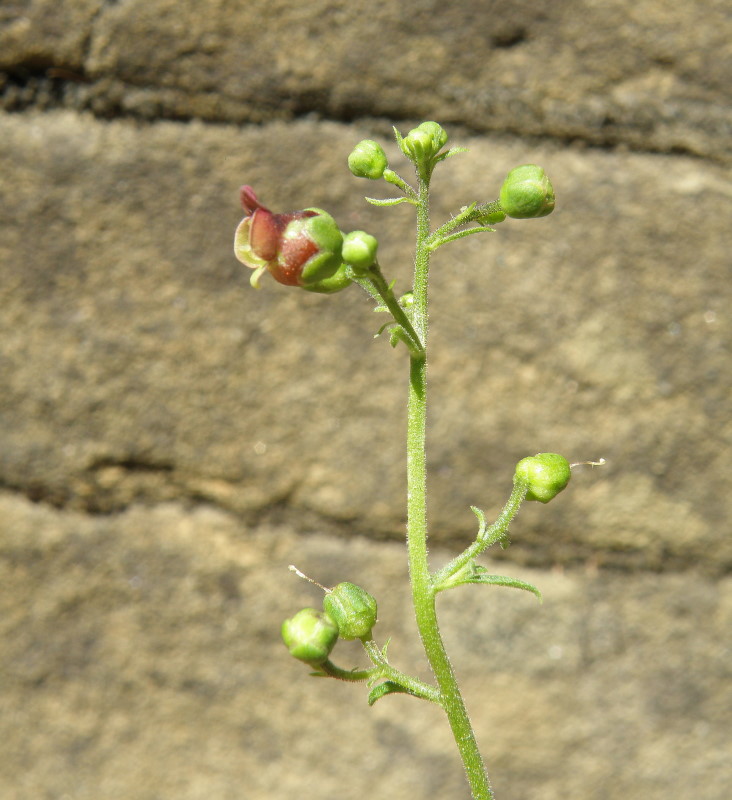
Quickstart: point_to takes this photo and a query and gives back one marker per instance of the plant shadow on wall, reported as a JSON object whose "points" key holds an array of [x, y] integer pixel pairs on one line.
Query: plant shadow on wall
{"points": [[307, 250]]}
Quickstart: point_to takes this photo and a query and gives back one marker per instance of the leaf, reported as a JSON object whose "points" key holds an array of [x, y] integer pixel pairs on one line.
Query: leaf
{"points": [[383, 328], [453, 151], [453, 237], [383, 689], [397, 335], [498, 580], [390, 201], [481, 519], [399, 140]]}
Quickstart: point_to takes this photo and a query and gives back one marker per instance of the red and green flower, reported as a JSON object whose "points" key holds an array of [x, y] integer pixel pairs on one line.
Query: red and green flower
{"points": [[302, 248]]}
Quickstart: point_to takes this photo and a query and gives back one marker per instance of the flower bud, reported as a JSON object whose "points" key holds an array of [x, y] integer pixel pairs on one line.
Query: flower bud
{"points": [[546, 473], [367, 160], [424, 142], [527, 193], [418, 145], [298, 249], [437, 134], [353, 610], [359, 250], [310, 635]]}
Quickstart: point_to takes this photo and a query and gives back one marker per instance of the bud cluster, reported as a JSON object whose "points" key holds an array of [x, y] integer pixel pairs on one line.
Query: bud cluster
{"points": [[422, 146], [348, 611]]}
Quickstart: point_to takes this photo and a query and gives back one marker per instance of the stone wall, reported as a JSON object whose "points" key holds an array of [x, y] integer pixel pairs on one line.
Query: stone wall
{"points": [[171, 439]]}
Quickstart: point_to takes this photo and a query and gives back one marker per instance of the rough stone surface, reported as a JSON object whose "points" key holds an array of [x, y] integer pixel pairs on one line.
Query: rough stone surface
{"points": [[139, 661], [170, 439], [650, 74], [139, 365]]}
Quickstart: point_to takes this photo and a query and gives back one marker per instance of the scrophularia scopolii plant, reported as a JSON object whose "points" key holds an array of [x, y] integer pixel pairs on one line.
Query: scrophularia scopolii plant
{"points": [[306, 249]]}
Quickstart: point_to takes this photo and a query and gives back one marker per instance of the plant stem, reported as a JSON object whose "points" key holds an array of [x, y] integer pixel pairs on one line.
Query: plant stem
{"points": [[423, 593], [387, 296], [352, 675], [409, 684], [486, 536]]}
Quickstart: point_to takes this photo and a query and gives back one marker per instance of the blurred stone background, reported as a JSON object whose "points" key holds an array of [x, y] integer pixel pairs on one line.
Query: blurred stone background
{"points": [[170, 440]]}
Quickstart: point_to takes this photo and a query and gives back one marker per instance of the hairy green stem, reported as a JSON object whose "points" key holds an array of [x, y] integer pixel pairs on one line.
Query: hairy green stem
{"points": [[385, 293], [423, 590], [353, 675], [410, 685], [487, 536]]}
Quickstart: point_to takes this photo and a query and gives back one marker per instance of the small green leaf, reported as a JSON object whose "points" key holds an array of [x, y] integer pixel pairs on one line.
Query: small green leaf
{"points": [[453, 151], [500, 580], [383, 689], [453, 237], [390, 201], [481, 519], [399, 140]]}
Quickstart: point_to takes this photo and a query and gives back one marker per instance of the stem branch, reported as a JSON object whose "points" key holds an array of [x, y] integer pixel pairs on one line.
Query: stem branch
{"points": [[486, 536], [400, 316]]}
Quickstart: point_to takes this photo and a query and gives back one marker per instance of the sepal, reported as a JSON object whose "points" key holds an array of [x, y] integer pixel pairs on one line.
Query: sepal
{"points": [[336, 283]]}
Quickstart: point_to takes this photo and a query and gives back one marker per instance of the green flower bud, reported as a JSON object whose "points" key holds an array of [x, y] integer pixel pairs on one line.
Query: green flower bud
{"points": [[424, 142], [353, 610], [436, 132], [359, 250], [527, 193], [310, 635], [546, 473], [418, 145], [367, 160]]}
